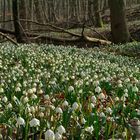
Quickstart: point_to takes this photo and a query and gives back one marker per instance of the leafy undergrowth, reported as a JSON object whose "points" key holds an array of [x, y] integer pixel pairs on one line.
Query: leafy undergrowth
{"points": [[130, 49], [53, 92]]}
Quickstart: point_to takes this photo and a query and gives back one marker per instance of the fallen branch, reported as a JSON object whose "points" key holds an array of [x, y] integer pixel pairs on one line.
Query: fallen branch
{"points": [[8, 38]]}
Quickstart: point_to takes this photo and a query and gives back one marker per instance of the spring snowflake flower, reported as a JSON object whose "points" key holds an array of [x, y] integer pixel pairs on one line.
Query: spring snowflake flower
{"points": [[25, 99], [61, 130], [65, 104], [89, 129], [93, 99], [49, 135], [83, 121], [98, 89], [70, 89], [34, 122], [9, 106], [75, 106], [20, 121], [18, 89], [4, 99], [58, 136], [135, 89], [1, 90], [101, 96], [58, 110], [102, 115], [109, 110]]}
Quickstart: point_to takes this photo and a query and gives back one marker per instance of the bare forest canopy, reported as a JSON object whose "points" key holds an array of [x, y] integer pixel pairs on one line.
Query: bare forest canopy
{"points": [[73, 22]]}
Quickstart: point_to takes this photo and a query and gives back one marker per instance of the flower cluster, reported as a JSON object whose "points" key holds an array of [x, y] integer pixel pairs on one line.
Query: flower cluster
{"points": [[54, 92]]}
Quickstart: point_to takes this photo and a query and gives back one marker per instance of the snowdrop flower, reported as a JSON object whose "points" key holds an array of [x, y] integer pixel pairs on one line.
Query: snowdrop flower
{"points": [[34, 96], [41, 114], [126, 90], [53, 100], [47, 97], [58, 136], [1, 90], [109, 110], [135, 89], [98, 89], [4, 99], [34, 122], [30, 91], [49, 135], [9, 106], [70, 89], [58, 110], [65, 103], [75, 106], [126, 94], [120, 85], [25, 99], [20, 121], [17, 89], [32, 109], [92, 105], [83, 121], [93, 99], [61, 130], [89, 129], [102, 114], [117, 99], [101, 96]]}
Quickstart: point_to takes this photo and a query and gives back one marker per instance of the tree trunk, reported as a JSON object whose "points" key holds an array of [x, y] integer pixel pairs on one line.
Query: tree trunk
{"points": [[18, 30], [120, 33], [98, 19]]}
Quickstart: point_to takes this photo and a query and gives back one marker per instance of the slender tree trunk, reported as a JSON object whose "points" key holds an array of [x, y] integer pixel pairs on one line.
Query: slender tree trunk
{"points": [[18, 30], [98, 19], [119, 27]]}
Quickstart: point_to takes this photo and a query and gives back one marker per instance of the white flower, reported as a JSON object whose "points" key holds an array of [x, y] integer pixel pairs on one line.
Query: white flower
{"points": [[70, 89], [93, 99], [89, 129], [9, 105], [41, 114], [117, 99], [101, 96], [34, 122], [49, 135], [47, 97], [135, 89], [58, 136], [61, 130], [4, 99], [83, 121], [75, 106], [65, 103], [25, 99], [120, 85], [1, 90], [92, 105], [102, 114], [30, 91], [20, 121], [58, 110], [98, 89], [126, 90], [109, 110], [34, 96], [17, 89], [32, 109]]}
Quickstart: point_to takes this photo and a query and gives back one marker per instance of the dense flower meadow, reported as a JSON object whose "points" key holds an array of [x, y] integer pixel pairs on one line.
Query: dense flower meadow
{"points": [[56, 93]]}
